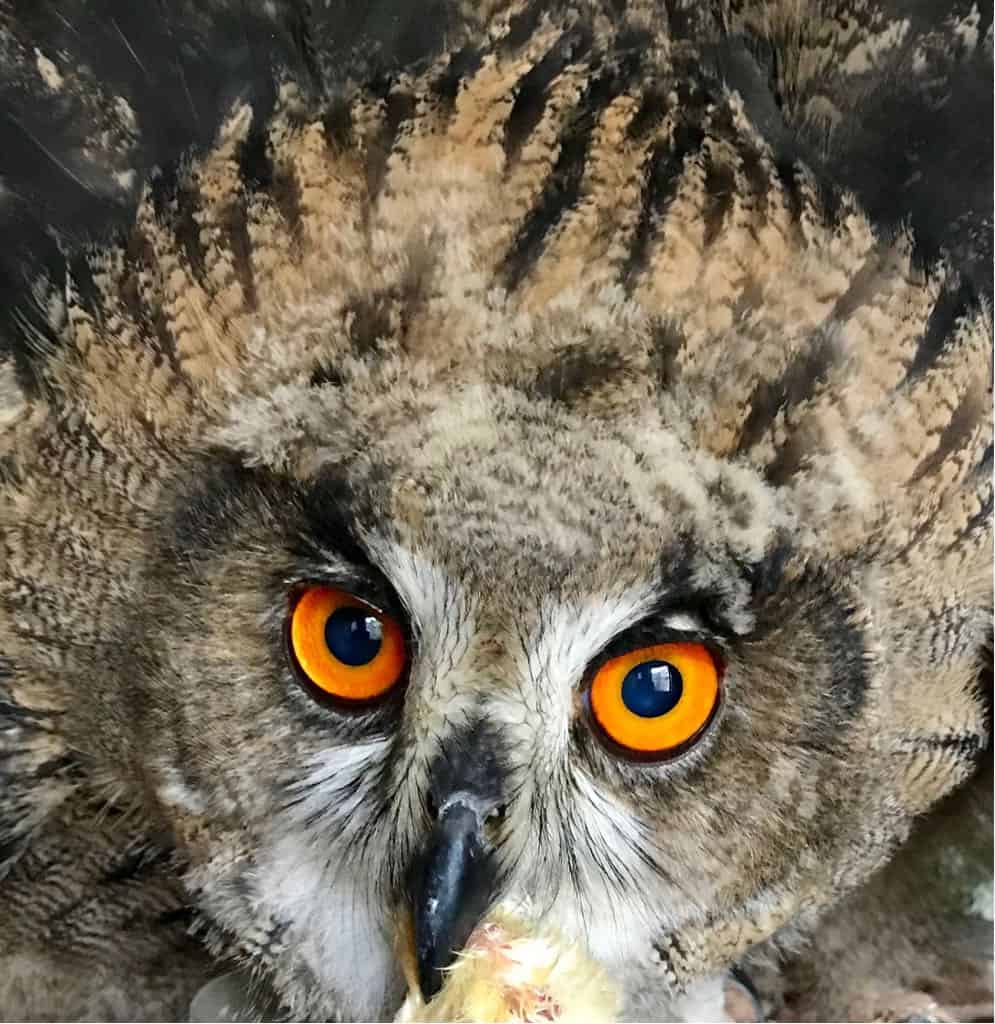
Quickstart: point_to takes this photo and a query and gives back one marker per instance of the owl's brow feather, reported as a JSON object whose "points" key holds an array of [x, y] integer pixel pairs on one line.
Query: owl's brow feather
{"points": [[333, 512], [324, 519]]}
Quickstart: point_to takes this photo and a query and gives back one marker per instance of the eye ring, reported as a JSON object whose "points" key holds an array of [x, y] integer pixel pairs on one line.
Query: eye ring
{"points": [[344, 648], [663, 728]]}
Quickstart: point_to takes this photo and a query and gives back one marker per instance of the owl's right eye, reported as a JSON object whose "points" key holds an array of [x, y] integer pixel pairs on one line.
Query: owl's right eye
{"points": [[345, 647], [655, 702]]}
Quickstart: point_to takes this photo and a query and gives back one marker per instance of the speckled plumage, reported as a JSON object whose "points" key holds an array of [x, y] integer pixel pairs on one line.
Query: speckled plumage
{"points": [[542, 323]]}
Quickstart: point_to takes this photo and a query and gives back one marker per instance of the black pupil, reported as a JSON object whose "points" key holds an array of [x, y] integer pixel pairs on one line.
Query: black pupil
{"points": [[353, 635], [652, 689]]}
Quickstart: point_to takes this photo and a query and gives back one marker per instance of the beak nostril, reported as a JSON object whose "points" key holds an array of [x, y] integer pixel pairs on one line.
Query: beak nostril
{"points": [[492, 822]]}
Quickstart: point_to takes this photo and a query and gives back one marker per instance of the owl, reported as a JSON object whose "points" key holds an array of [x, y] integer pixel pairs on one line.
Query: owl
{"points": [[529, 453]]}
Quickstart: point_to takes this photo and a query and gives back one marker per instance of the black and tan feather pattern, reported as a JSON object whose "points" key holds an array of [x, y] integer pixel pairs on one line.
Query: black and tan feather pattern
{"points": [[550, 316]]}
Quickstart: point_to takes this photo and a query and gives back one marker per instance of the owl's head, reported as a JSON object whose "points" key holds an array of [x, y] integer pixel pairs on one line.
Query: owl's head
{"points": [[420, 639], [509, 519], [488, 645]]}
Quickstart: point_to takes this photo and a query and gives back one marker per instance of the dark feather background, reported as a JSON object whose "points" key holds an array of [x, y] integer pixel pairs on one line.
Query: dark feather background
{"points": [[914, 142], [74, 159]]}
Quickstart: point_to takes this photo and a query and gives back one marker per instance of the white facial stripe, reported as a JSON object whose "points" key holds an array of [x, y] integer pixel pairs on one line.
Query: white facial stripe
{"points": [[572, 634], [550, 664], [174, 792], [334, 787], [615, 927], [600, 829], [442, 615], [685, 622], [336, 930], [438, 606], [307, 875]]}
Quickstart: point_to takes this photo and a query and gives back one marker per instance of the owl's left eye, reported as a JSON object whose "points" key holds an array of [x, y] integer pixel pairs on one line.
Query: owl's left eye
{"points": [[654, 702], [345, 647]]}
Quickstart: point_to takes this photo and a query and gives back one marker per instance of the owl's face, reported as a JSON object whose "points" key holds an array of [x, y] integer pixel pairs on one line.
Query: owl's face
{"points": [[519, 548]]}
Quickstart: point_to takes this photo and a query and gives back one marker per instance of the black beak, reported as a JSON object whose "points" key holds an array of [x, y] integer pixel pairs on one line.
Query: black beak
{"points": [[452, 888]]}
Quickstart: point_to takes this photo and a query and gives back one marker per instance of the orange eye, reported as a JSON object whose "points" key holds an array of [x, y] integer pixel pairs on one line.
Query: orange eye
{"points": [[344, 646], [656, 701]]}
